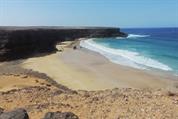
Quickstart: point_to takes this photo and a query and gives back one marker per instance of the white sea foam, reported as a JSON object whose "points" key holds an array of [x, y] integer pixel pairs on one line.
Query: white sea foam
{"points": [[124, 57], [136, 36], [119, 38], [133, 36]]}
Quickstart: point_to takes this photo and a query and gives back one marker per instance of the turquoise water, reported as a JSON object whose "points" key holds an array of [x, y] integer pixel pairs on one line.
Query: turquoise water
{"points": [[144, 48]]}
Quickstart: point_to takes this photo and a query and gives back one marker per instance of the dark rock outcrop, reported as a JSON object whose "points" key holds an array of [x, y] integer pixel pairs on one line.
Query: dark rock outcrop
{"points": [[22, 114], [60, 115], [16, 114], [22, 42]]}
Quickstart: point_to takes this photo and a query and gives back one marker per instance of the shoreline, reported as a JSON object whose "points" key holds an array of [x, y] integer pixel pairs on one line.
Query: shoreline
{"points": [[82, 69], [126, 59]]}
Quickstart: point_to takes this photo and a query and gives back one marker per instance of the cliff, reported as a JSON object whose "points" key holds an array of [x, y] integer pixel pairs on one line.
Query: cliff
{"points": [[22, 42]]}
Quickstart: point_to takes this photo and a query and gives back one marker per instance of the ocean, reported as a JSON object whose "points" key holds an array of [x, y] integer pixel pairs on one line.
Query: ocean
{"points": [[144, 48]]}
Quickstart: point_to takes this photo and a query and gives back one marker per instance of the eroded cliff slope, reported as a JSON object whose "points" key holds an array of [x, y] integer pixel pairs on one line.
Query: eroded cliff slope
{"points": [[21, 42]]}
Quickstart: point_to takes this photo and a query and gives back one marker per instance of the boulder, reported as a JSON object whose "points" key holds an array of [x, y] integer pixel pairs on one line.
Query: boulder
{"points": [[15, 114], [1, 110], [60, 115]]}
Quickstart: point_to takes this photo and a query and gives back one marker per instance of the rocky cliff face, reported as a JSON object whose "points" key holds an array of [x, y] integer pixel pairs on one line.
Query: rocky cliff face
{"points": [[21, 42]]}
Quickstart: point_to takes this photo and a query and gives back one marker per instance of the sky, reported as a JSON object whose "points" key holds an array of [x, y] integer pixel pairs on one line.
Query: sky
{"points": [[112, 13]]}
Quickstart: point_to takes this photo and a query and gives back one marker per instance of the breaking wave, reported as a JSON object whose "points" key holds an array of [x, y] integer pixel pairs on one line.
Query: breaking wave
{"points": [[124, 57], [133, 36], [137, 36]]}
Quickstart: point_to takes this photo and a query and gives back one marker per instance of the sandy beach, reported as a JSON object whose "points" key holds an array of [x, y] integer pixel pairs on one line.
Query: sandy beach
{"points": [[82, 69]]}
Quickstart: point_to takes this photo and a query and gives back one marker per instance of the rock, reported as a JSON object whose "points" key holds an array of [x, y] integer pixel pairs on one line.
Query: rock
{"points": [[60, 115], [1, 110], [15, 114], [171, 93], [75, 47], [24, 76], [36, 81], [48, 85]]}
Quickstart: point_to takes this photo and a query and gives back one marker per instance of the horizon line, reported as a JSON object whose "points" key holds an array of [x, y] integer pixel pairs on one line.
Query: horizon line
{"points": [[84, 26]]}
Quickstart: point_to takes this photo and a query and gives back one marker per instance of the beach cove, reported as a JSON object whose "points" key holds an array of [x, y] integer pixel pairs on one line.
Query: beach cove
{"points": [[82, 69]]}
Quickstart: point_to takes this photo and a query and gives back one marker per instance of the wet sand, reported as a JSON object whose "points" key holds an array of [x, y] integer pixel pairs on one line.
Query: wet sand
{"points": [[86, 70]]}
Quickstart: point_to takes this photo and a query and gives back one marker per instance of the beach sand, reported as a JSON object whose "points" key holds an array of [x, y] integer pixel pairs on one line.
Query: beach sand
{"points": [[82, 69]]}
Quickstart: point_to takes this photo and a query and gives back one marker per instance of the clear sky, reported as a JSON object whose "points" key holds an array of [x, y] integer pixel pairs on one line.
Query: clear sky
{"points": [[117, 13]]}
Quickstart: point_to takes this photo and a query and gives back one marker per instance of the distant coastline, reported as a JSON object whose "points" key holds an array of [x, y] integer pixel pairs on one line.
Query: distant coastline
{"points": [[19, 42]]}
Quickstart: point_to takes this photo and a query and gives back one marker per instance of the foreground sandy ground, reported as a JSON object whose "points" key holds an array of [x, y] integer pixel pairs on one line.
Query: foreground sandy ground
{"points": [[86, 70], [104, 104]]}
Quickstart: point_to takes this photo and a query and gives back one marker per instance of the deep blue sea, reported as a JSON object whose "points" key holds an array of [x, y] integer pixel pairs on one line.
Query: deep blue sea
{"points": [[144, 48]]}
